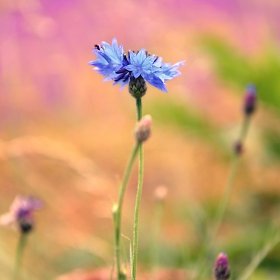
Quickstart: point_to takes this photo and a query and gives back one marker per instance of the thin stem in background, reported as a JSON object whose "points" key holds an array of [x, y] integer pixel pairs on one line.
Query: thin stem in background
{"points": [[225, 200], [138, 198], [233, 171], [19, 253], [118, 211], [271, 243]]}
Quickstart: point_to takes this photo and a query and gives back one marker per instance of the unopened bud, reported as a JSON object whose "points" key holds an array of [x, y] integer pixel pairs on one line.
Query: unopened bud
{"points": [[221, 269], [137, 87], [115, 208], [238, 148], [250, 100], [142, 129]]}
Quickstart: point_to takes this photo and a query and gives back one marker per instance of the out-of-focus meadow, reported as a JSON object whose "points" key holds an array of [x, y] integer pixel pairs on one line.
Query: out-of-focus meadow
{"points": [[66, 135]]}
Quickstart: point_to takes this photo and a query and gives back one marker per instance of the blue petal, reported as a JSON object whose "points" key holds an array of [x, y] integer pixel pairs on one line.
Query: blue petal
{"points": [[156, 82], [141, 56], [157, 62], [132, 57], [168, 71]]}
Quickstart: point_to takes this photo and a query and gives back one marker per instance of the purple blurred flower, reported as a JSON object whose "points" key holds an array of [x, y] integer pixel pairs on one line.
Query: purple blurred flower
{"points": [[221, 269], [250, 100], [112, 63], [20, 213]]}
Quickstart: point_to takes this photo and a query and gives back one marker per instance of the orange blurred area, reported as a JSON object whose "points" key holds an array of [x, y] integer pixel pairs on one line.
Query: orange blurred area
{"points": [[66, 135]]}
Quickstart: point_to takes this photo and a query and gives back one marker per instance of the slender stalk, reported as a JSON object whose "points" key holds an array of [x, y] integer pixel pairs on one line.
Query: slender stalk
{"points": [[233, 171], [19, 252], [271, 243], [139, 108], [136, 214], [225, 200], [117, 211], [138, 198]]}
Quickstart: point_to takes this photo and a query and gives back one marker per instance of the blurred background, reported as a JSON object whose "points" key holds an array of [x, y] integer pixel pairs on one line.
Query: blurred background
{"points": [[66, 135]]}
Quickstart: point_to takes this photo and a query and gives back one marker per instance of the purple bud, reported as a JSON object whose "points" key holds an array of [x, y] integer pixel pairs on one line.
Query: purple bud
{"points": [[250, 100], [221, 269], [238, 148], [143, 129]]}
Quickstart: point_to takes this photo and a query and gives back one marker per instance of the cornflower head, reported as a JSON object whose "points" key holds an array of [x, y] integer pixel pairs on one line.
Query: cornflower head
{"points": [[221, 269], [133, 68], [20, 214]]}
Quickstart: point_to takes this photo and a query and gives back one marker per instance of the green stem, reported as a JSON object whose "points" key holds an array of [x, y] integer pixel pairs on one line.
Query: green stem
{"points": [[259, 257], [19, 252], [138, 198], [136, 214], [118, 210], [233, 171], [225, 200], [139, 108]]}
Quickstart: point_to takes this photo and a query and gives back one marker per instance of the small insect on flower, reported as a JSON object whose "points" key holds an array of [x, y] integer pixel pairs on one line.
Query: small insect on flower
{"points": [[20, 214], [123, 68]]}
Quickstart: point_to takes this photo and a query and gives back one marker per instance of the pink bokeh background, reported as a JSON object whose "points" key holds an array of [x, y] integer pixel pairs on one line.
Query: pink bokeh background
{"points": [[66, 135]]}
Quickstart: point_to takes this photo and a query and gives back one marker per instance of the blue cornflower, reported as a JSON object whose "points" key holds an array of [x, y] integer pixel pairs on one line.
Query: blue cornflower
{"points": [[133, 68]]}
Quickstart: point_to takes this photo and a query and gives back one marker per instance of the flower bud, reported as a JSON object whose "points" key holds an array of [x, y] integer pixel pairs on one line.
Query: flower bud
{"points": [[142, 129], [137, 87], [238, 148], [250, 100], [221, 269], [115, 208]]}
